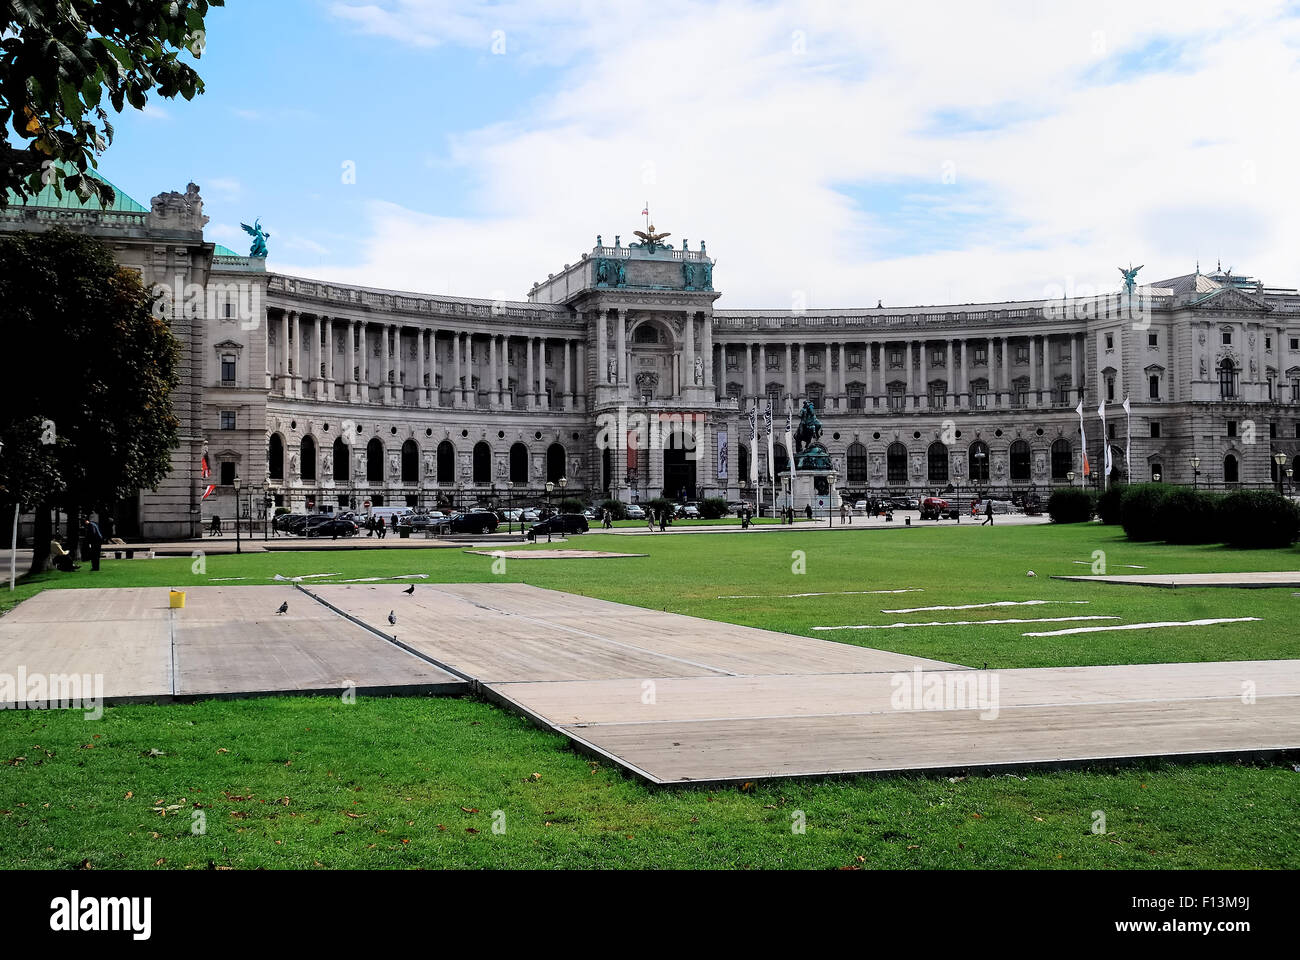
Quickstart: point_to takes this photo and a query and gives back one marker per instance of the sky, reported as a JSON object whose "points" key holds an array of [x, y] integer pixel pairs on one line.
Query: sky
{"points": [[830, 154]]}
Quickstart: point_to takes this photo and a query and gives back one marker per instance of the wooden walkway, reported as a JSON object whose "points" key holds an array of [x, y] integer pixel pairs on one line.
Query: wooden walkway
{"points": [[677, 700]]}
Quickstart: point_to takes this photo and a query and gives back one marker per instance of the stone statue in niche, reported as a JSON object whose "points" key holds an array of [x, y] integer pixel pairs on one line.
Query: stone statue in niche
{"points": [[699, 371], [327, 466], [394, 466], [428, 464], [1000, 468], [293, 464], [1253, 366], [1040, 465], [1204, 372], [612, 369]]}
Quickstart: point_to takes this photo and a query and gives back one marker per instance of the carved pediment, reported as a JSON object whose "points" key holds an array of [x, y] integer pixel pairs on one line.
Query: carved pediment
{"points": [[1230, 298], [227, 345]]}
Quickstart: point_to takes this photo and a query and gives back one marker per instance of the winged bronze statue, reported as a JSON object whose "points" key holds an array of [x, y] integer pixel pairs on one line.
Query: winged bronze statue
{"points": [[259, 236], [650, 237], [1130, 276]]}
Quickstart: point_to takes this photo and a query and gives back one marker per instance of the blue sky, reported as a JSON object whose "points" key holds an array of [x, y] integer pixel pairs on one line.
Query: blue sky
{"points": [[833, 155]]}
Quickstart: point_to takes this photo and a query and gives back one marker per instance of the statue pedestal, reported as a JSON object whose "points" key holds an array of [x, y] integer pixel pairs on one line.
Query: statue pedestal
{"points": [[808, 488]]}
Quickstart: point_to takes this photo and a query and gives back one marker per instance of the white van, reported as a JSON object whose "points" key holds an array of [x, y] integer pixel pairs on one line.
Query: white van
{"points": [[389, 513]]}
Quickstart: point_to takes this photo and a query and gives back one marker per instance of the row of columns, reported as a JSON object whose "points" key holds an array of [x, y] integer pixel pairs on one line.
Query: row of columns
{"points": [[613, 369], [954, 363], [370, 379]]}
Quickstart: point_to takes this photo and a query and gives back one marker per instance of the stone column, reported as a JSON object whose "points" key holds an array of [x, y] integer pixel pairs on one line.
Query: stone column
{"points": [[1076, 349], [286, 379], [1033, 371], [843, 392], [951, 387], [493, 396], [802, 379], [580, 384], [620, 342], [566, 375], [963, 392], [789, 368], [925, 377], [688, 350], [530, 382], [706, 331], [471, 395], [455, 395], [602, 347], [1047, 366], [329, 358], [828, 388], [1004, 374], [911, 381], [421, 395], [748, 383], [760, 388], [295, 354]]}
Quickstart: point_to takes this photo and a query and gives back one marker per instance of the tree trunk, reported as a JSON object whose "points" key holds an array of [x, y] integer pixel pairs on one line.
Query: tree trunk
{"points": [[41, 533], [74, 532]]}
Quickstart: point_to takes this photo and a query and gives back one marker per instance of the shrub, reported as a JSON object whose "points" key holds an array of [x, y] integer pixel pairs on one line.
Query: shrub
{"points": [[713, 508], [617, 508], [1258, 518], [1070, 505], [1138, 507], [571, 505], [658, 505], [1108, 505], [1188, 516]]}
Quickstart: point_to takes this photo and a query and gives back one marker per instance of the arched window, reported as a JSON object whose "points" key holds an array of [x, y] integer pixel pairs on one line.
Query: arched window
{"points": [[896, 464], [375, 460], [857, 462], [1020, 460], [1227, 380], [1062, 458], [410, 461], [307, 450], [482, 462], [342, 461], [275, 458], [446, 462], [978, 456], [1231, 469], [937, 456], [555, 462], [519, 464]]}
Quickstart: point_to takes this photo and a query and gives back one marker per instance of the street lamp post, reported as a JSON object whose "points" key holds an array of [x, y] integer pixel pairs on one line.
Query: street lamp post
{"points": [[549, 487], [1196, 472], [238, 545], [510, 500], [831, 478], [1280, 460], [1289, 471]]}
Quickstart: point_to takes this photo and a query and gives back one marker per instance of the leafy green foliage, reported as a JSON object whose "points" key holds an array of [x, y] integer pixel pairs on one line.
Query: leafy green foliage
{"points": [[1108, 504], [713, 508], [1188, 516], [1258, 518], [571, 505], [60, 60], [97, 424], [1070, 505], [1138, 510], [617, 509]]}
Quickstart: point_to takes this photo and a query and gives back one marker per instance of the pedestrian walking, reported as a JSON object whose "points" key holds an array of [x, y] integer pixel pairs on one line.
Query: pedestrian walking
{"points": [[650, 520], [383, 528], [92, 540], [988, 514], [844, 513], [663, 520], [214, 529]]}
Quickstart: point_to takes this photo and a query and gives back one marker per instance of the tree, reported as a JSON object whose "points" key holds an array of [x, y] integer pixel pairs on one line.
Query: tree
{"points": [[58, 60], [91, 421]]}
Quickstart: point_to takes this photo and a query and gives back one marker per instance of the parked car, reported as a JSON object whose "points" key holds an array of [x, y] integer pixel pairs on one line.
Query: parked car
{"points": [[688, 511], [861, 506], [423, 521], [902, 503], [558, 525], [936, 508], [476, 521], [999, 506], [332, 527], [530, 515], [635, 511]]}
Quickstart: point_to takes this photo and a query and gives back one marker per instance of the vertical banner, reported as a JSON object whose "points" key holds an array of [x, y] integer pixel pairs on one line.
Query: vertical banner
{"points": [[1105, 447], [1128, 436], [1083, 438], [771, 455], [723, 454], [753, 448], [631, 451]]}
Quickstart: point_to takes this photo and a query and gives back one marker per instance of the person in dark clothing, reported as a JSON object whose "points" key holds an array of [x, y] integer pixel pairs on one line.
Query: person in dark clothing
{"points": [[93, 541], [808, 510], [988, 514], [663, 519], [383, 528], [215, 529]]}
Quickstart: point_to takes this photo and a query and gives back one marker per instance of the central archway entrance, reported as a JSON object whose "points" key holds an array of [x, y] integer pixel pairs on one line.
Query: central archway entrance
{"points": [[679, 468]]}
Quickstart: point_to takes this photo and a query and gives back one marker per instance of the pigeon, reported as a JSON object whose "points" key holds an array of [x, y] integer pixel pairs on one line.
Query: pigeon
{"points": [[284, 608], [392, 617], [1031, 574], [410, 589]]}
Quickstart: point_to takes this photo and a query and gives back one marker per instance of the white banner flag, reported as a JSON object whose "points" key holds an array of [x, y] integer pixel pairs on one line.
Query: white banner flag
{"points": [[1083, 441], [789, 439], [723, 454], [1105, 446], [1128, 436]]}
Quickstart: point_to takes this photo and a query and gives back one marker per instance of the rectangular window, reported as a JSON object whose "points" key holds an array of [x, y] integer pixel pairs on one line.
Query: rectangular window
{"points": [[981, 355], [1022, 354], [227, 473], [1110, 430], [1110, 388], [855, 359], [1153, 384], [1155, 428], [1110, 341], [227, 419], [228, 370], [1295, 343], [1268, 343], [1232, 428], [1272, 431], [1153, 339], [1227, 338]]}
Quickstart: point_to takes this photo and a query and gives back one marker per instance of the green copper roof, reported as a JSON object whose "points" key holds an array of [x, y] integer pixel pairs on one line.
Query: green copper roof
{"points": [[219, 251], [70, 201]]}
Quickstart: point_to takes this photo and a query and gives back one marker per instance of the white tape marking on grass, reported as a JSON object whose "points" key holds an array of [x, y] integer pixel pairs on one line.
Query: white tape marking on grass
{"points": [[1131, 566], [961, 623], [222, 579], [977, 606], [1142, 626], [404, 576], [305, 576], [832, 593]]}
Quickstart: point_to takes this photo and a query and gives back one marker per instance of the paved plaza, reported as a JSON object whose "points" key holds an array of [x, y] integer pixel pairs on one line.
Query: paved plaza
{"points": [[669, 698]]}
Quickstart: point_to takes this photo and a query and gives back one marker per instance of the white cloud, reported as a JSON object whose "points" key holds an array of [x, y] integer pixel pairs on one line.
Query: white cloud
{"points": [[751, 125]]}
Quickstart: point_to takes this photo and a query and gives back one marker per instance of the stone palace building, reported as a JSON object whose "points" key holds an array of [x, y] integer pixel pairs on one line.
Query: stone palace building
{"points": [[619, 375]]}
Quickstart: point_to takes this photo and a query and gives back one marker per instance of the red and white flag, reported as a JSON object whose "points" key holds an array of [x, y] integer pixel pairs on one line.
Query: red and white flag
{"points": [[204, 470], [645, 212], [208, 492]]}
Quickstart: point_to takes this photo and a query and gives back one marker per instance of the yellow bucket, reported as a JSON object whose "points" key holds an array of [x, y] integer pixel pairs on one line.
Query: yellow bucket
{"points": [[177, 598]]}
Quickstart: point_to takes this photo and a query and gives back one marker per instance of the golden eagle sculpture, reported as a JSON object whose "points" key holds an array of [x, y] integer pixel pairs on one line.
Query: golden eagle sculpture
{"points": [[650, 238]]}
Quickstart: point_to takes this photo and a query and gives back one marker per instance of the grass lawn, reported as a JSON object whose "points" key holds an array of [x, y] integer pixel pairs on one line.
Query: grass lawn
{"points": [[413, 782]]}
